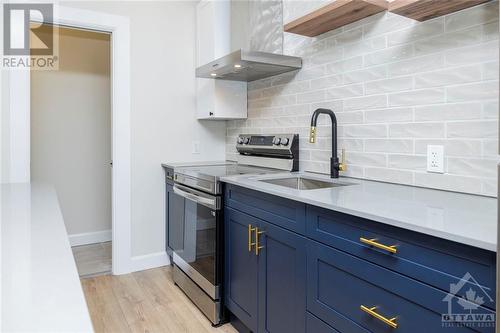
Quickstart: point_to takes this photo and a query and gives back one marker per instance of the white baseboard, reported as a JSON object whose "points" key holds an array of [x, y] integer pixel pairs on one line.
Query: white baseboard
{"points": [[148, 261], [90, 237]]}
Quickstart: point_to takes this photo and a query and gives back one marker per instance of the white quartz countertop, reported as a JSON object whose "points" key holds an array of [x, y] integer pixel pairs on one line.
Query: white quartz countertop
{"points": [[463, 218], [40, 287]]}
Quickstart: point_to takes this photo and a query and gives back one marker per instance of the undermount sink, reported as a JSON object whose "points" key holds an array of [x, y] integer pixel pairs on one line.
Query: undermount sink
{"points": [[303, 183]]}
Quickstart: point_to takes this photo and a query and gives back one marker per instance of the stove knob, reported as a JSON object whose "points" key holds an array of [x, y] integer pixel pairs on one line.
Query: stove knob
{"points": [[246, 141], [239, 140], [285, 141], [276, 141]]}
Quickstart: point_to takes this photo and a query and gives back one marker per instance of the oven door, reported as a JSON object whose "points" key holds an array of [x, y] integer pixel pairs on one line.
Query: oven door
{"points": [[196, 252]]}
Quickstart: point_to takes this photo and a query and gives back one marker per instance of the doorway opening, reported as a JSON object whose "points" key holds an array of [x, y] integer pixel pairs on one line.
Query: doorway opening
{"points": [[71, 141]]}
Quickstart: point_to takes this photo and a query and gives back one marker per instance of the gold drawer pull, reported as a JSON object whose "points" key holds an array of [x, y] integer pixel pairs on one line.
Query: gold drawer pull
{"points": [[373, 242], [371, 311], [257, 247], [250, 243]]}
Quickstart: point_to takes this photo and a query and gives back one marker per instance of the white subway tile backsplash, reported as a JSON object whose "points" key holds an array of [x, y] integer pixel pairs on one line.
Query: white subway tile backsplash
{"points": [[411, 162], [475, 91], [366, 159], [389, 115], [448, 41], [490, 70], [366, 102], [415, 65], [490, 148], [351, 90], [490, 109], [365, 131], [490, 31], [448, 76], [472, 16], [396, 86], [352, 117], [364, 75], [364, 46], [310, 97], [460, 111], [417, 130], [472, 167], [327, 81], [391, 54], [389, 175], [471, 54], [342, 66], [424, 30], [387, 24], [416, 97], [473, 129], [389, 145], [389, 85]]}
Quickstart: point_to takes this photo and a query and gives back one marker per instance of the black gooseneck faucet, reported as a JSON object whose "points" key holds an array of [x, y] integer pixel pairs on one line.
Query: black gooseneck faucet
{"points": [[335, 164]]}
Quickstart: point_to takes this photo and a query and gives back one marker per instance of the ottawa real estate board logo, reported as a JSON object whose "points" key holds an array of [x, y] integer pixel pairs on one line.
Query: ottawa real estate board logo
{"points": [[468, 305], [30, 39]]}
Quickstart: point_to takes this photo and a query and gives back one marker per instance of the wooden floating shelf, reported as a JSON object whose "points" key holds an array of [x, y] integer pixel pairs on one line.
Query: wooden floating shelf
{"points": [[422, 10], [335, 15]]}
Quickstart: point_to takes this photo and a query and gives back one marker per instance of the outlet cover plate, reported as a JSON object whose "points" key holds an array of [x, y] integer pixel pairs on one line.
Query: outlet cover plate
{"points": [[435, 158]]}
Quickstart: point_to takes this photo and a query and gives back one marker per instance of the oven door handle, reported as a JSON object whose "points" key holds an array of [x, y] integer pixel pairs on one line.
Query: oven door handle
{"points": [[211, 203]]}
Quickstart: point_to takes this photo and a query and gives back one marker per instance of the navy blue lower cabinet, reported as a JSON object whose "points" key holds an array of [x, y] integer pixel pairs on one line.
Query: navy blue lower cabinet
{"points": [[282, 280], [264, 288], [316, 325], [353, 295], [431, 260], [241, 268]]}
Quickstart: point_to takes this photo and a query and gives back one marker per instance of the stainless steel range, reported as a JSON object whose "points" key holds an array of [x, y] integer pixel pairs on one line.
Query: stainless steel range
{"points": [[195, 213]]}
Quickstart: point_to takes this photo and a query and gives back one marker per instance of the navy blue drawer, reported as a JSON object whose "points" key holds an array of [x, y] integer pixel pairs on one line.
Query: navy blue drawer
{"points": [[285, 213], [434, 261], [339, 284], [316, 325]]}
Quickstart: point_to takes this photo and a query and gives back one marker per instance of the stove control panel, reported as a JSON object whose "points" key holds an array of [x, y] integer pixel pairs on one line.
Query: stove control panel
{"points": [[268, 140], [280, 151]]}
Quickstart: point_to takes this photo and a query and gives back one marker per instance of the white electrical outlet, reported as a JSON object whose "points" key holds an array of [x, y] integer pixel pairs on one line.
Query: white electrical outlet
{"points": [[196, 147], [435, 159]]}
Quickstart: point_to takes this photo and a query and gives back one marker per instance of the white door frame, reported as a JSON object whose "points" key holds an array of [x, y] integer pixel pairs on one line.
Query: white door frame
{"points": [[119, 27]]}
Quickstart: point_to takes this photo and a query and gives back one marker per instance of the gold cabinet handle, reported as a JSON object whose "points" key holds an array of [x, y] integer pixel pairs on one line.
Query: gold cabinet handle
{"points": [[257, 247], [371, 311], [250, 243], [373, 242]]}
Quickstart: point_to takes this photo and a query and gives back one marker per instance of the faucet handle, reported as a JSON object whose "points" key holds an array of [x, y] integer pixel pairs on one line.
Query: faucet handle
{"points": [[342, 164]]}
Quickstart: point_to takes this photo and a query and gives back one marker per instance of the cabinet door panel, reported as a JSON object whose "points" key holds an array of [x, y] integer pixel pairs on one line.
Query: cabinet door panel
{"points": [[282, 280], [241, 282]]}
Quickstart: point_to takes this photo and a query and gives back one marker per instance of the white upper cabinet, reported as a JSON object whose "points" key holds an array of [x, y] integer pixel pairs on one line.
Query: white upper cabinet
{"points": [[216, 99]]}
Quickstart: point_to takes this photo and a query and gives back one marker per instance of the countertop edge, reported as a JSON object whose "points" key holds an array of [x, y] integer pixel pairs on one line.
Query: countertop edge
{"points": [[381, 219]]}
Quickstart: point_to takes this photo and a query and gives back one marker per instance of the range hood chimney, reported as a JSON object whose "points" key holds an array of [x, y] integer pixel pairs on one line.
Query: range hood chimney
{"points": [[257, 36]]}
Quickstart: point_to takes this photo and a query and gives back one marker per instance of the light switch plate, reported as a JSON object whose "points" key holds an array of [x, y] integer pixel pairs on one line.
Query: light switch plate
{"points": [[196, 147], [435, 158]]}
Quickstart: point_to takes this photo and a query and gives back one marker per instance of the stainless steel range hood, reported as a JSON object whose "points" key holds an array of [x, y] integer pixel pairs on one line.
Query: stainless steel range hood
{"points": [[248, 66]]}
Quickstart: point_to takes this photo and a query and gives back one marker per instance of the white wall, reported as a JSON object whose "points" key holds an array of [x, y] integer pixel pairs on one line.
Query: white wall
{"points": [[71, 130], [396, 86], [162, 107]]}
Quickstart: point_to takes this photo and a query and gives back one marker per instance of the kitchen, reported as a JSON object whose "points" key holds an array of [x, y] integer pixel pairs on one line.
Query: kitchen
{"points": [[385, 113]]}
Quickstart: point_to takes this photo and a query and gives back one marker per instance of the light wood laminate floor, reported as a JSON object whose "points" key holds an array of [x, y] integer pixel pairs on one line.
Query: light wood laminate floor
{"points": [[146, 301], [93, 259]]}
